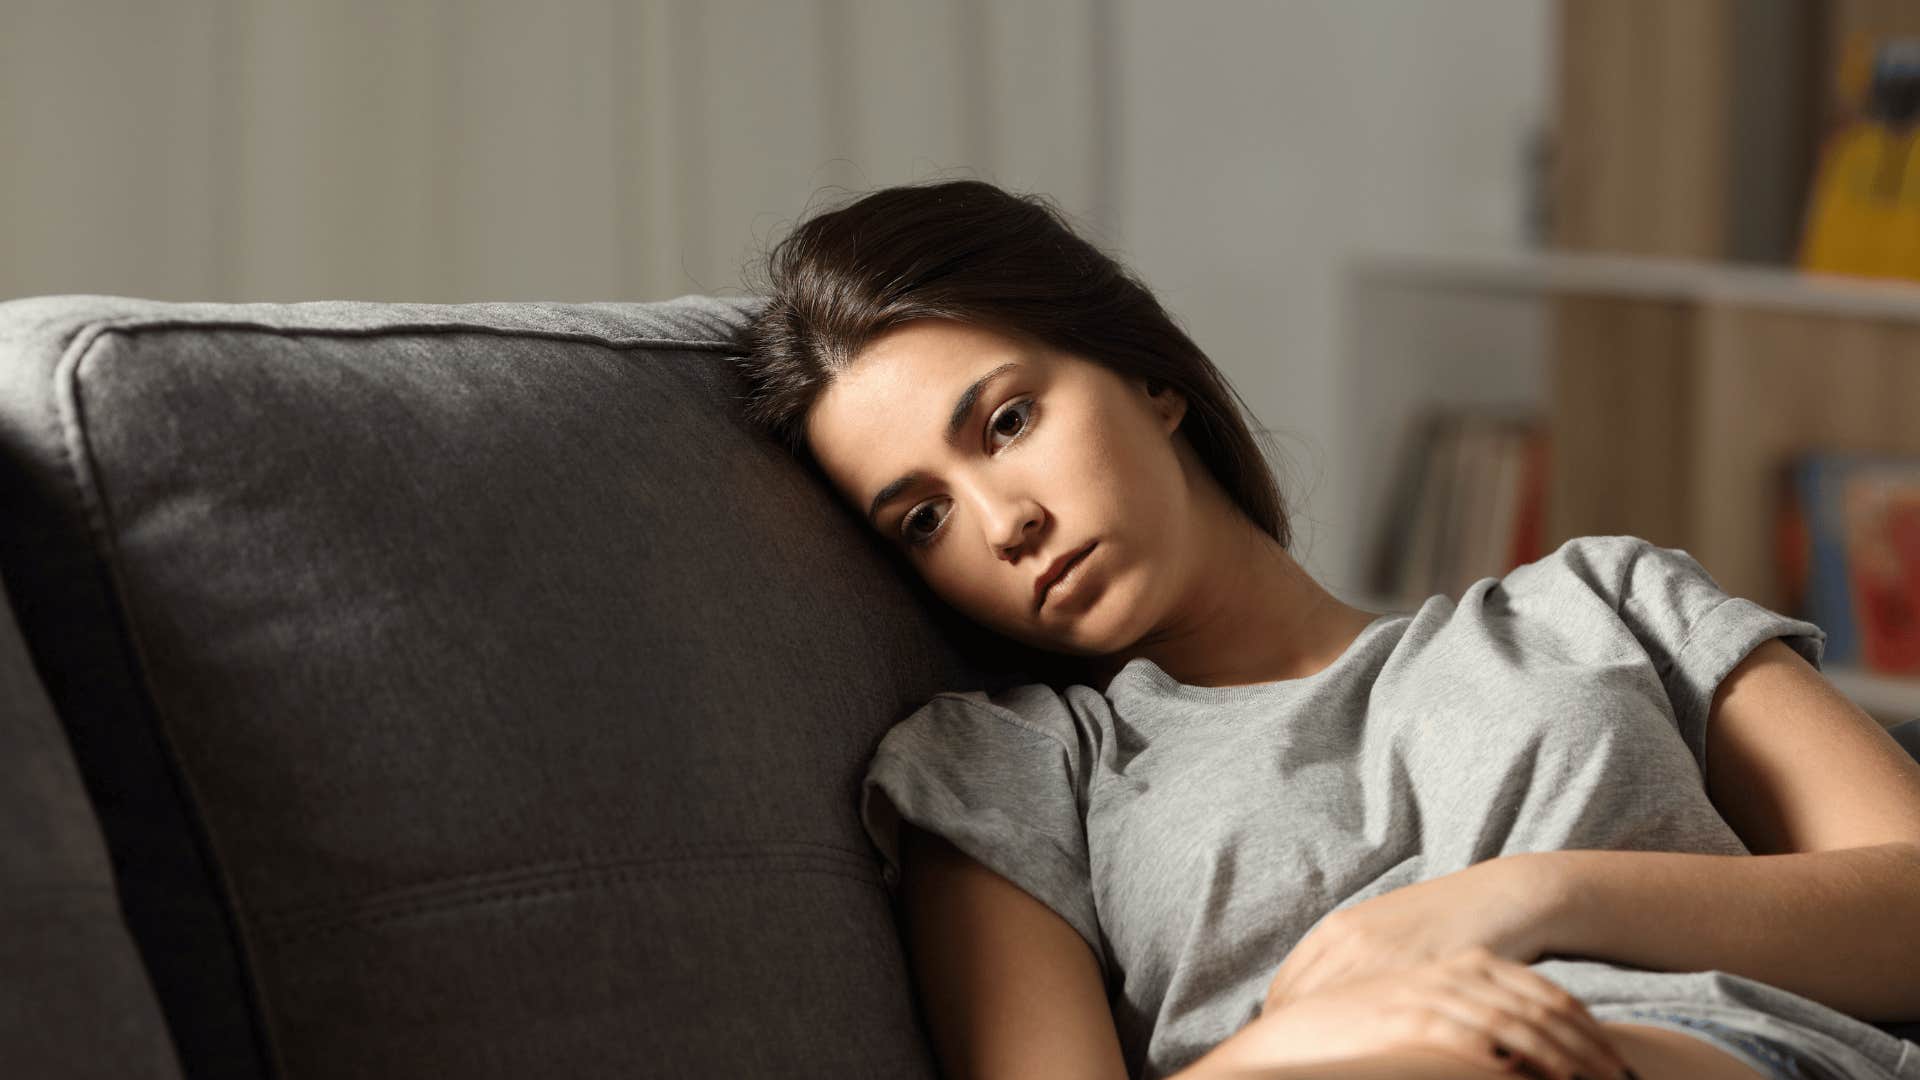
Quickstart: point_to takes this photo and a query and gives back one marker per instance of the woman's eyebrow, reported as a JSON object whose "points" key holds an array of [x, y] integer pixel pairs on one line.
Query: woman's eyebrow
{"points": [[962, 408]]}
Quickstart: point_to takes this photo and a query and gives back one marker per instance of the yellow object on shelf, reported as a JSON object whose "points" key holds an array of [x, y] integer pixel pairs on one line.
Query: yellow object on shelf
{"points": [[1849, 226], [1903, 229], [1863, 212]]}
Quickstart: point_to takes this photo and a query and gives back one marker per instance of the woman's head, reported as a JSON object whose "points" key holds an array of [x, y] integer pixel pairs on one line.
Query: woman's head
{"points": [[1100, 422]]}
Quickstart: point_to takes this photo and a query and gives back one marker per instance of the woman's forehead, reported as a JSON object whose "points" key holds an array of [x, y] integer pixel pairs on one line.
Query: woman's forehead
{"points": [[895, 407], [913, 373], [942, 345]]}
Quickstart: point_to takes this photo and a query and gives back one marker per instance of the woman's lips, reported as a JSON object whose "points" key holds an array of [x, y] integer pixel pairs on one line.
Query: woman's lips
{"points": [[1062, 587]]}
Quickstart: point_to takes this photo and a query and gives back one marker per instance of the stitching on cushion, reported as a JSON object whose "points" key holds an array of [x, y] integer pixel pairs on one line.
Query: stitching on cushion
{"points": [[426, 888], [564, 884], [76, 453], [135, 324]]}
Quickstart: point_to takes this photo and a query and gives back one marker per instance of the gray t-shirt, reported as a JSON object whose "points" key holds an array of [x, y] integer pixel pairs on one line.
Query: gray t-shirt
{"points": [[1193, 835]]}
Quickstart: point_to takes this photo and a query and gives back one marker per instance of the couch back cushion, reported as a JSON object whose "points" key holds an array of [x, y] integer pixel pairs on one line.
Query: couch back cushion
{"points": [[462, 689]]}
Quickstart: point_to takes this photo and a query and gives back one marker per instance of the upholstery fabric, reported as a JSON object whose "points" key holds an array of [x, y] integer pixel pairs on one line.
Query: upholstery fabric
{"points": [[74, 997], [462, 689]]}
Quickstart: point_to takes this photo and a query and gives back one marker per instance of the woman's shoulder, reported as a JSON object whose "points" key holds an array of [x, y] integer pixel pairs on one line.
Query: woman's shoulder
{"points": [[1072, 715], [1609, 565], [1573, 603]]}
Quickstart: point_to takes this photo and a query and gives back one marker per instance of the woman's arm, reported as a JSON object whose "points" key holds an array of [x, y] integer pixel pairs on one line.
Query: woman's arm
{"points": [[1828, 803], [1834, 926], [1007, 986]]}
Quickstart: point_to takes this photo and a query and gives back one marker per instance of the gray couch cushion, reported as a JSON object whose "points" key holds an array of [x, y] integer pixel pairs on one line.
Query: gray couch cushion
{"points": [[462, 690], [74, 998]]}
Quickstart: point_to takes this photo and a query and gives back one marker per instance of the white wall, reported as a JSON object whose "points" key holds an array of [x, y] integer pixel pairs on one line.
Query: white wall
{"points": [[463, 150], [1262, 143]]}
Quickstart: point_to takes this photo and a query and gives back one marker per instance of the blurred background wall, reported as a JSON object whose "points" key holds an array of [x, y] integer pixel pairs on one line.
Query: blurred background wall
{"points": [[1233, 152]]}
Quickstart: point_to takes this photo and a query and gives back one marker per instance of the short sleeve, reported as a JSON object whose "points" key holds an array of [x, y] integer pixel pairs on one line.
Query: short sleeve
{"points": [[1692, 630], [1003, 788]]}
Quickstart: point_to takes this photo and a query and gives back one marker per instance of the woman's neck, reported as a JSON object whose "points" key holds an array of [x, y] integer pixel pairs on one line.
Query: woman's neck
{"points": [[1261, 618]]}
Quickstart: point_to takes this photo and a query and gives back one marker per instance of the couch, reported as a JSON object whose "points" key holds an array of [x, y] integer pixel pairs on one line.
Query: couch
{"points": [[405, 690], [437, 690]]}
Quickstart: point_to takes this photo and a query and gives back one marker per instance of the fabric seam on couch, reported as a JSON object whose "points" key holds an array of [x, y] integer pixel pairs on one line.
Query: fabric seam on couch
{"points": [[510, 874], [568, 883], [75, 443], [139, 323]]}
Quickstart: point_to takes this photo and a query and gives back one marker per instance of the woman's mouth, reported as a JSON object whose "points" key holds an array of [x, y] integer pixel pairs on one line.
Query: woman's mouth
{"points": [[1063, 588]]}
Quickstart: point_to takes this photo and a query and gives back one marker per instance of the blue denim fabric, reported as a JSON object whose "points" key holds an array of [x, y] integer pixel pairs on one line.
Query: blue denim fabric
{"points": [[1774, 1059]]}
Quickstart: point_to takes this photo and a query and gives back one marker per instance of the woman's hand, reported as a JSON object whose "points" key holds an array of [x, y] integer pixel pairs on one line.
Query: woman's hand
{"points": [[1500, 905], [1472, 1005]]}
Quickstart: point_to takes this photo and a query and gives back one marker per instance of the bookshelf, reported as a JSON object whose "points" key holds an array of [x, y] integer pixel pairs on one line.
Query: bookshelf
{"points": [[1673, 389]]}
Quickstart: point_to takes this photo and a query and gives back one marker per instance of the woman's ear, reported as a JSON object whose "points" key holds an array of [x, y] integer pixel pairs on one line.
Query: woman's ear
{"points": [[1171, 404]]}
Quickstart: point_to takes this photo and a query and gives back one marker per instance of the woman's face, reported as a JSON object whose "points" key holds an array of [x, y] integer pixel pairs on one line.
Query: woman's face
{"points": [[1053, 453]]}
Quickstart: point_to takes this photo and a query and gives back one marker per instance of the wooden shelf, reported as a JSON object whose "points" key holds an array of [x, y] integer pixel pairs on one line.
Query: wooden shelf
{"points": [[1693, 281], [1675, 388]]}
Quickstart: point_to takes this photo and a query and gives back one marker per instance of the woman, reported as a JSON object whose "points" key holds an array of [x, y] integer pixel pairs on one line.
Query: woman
{"points": [[1259, 828]]}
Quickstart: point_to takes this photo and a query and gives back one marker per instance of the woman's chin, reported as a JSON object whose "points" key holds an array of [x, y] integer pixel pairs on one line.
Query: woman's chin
{"points": [[1078, 647], [1051, 644]]}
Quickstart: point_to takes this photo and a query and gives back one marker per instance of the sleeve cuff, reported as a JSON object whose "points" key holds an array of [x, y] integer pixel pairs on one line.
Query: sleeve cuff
{"points": [[919, 794], [1718, 643]]}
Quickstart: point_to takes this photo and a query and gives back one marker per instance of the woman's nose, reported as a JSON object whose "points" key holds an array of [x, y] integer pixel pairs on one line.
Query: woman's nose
{"points": [[1010, 523]]}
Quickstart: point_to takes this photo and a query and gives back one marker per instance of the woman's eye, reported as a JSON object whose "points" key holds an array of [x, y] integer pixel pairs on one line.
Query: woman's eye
{"points": [[922, 513], [1019, 410]]}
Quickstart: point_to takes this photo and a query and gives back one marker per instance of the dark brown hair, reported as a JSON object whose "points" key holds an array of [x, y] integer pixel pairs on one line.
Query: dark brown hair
{"points": [[968, 251]]}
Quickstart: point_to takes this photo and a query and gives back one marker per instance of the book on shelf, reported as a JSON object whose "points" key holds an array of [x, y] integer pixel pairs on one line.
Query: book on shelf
{"points": [[1847, 542], [1469, 502]]}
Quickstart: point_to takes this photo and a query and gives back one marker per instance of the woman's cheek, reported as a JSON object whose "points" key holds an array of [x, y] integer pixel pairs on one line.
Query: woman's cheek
{"points": [[962, 590]]}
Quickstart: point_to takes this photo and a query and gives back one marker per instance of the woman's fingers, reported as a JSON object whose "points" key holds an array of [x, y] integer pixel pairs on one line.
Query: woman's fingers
{"points": [[1443, 1022], [1534, 1018], [1524, 980]]}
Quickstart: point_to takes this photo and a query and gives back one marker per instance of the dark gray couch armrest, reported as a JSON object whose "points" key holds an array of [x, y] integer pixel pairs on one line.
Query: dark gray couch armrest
{"points": [[77, 1001]]}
